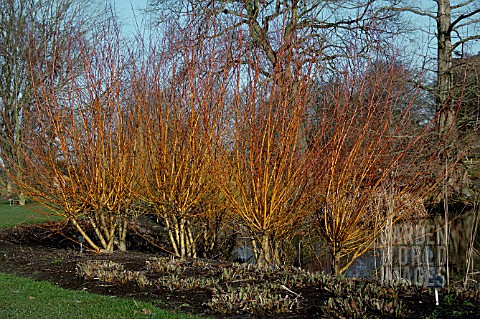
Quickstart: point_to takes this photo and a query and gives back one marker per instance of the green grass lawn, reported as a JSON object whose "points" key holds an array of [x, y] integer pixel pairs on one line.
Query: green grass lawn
{"points": [[26, 298], [22, 215]]}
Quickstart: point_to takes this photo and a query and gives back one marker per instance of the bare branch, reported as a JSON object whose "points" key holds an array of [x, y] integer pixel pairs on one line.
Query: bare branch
{"points": [[462, 17], [464, 40]]}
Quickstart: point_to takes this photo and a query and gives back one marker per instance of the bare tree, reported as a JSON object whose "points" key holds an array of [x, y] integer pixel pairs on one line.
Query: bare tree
{"points": [[32, 37], [455, 24], [466, 71], [456, 28], [272, 28]]}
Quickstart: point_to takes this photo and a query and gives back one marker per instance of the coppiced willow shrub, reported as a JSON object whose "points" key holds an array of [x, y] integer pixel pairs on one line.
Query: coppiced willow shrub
{"points": [[264, 171], [376, 159], [79, 160], [181, 118]]}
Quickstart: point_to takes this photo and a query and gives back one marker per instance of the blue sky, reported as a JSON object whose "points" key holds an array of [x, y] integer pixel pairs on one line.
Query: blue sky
{"points": [[126, 14], [124, 7]]}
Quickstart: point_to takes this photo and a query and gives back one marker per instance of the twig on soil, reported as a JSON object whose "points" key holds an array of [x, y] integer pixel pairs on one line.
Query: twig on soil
{"points": [[290, 291]]}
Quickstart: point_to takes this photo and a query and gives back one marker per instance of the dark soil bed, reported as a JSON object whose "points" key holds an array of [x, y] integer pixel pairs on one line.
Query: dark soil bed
{"points": [[219, 289]]}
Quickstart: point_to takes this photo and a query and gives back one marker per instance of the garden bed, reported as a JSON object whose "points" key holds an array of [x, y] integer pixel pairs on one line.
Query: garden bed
{"points": [[220, 289]]}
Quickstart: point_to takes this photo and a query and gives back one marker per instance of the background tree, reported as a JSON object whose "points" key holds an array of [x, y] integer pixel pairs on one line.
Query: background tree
{"points": [[271, 28], [456, 29], [466, 72], [450, 26], [32, 36]]}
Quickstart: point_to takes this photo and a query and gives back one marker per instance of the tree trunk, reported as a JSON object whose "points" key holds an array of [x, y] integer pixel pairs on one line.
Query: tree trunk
{"points": [[445, 105], [190, 240], [336, 264], [98, 231], [22, 199], [122, 235], [268, 254], [181, 236], [9, 187], [336, 254], [263, 259]]}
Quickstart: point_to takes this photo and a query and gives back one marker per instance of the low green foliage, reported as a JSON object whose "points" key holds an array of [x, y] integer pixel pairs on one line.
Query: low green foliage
{"points": [[26, 298], [448, 299]]}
